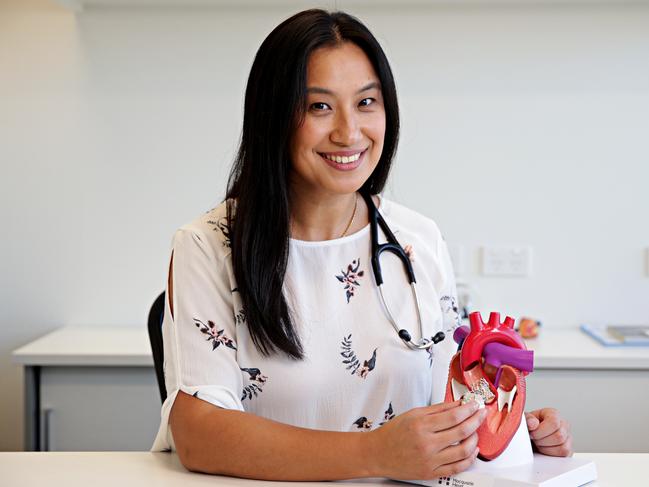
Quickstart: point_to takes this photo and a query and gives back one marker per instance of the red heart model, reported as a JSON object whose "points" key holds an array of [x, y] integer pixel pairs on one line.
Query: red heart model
{"points": [[492, 362]]}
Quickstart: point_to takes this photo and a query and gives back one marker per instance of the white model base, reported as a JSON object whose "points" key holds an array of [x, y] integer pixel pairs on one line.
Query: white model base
{"points": [[543, 471]]}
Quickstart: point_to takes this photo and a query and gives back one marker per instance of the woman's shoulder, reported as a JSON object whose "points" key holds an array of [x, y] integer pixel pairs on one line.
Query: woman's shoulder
{"points": [[211, 229]]}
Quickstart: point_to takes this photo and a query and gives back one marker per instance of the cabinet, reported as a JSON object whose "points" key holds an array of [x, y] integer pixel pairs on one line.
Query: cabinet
{"points": [[94, 388], [607, 409], [90, 389], [98, 408], [602, 391]]}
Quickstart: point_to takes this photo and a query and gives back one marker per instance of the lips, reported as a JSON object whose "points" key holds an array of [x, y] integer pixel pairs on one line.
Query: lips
{"points": [[492, 362], [344, 160]]}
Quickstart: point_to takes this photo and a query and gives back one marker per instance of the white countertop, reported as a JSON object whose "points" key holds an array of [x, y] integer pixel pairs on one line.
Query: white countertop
{"points": [[98, 469], [89, 346], [570, 348], [129, 346]]}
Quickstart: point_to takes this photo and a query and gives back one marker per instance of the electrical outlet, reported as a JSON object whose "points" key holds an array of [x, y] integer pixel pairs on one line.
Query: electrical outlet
{"points": [[507, 260]]}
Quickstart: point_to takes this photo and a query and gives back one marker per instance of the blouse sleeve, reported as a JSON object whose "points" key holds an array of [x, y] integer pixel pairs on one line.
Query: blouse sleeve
{"points": [[451, 320], [200, 348]]}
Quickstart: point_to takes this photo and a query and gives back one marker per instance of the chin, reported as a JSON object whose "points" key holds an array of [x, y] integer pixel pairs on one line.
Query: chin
{"points": [[351, 184], [348, 188]]}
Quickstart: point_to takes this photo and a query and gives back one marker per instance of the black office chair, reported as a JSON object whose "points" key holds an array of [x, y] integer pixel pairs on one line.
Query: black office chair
{"points": [[155, 337]]}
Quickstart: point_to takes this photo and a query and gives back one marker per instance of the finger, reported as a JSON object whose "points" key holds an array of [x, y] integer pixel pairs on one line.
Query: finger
{"points": [[564, 450], [449, 418], [557, 438], [546, 428], [425, 411], [463, 430], [459, 451], [545, 413], [548, 425], [532, 421], [457, 467], [441, 407], [553, 440], [437, 408]]}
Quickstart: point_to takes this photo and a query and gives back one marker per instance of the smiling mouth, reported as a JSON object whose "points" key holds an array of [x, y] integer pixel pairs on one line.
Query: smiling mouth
{"points": [[346, 159]]}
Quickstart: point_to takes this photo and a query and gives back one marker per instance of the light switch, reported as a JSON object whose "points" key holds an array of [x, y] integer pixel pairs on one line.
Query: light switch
{"points": [[507, 260]]}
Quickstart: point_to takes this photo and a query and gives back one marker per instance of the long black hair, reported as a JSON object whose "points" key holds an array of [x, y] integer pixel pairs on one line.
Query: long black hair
{"points": [[258, 191]]}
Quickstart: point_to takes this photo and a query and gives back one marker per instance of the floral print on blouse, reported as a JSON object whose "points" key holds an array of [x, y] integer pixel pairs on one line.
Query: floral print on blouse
{"points": [[351, 278]]}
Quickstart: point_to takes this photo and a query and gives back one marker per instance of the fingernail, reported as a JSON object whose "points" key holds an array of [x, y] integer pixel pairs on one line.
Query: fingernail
{"points": [[474, 399], [466, 399]]}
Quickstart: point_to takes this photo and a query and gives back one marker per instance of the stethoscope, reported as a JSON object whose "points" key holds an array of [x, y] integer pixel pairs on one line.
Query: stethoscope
{"points": [[393, 246]]}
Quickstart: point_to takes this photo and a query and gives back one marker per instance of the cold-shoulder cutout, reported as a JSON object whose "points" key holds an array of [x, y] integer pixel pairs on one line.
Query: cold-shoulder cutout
{"points": [[170, 286]]}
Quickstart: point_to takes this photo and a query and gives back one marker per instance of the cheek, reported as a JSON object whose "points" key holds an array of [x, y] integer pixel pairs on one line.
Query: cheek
{"points": [[308, 136], [301, 147], [377, 135], [377, 129]]}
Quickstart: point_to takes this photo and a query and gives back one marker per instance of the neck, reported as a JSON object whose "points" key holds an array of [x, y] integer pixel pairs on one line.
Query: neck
{"points": [[318, 217]]}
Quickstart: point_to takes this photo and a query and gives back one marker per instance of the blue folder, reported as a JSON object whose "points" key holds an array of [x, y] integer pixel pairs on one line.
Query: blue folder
{"points": [[602, 335]]}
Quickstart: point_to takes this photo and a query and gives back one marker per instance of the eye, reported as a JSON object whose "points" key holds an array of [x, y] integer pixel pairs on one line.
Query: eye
{"points": [[318, 106], [366, 102]]}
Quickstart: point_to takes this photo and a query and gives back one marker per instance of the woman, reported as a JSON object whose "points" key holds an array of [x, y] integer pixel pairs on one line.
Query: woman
{"points": [[273, 315]]}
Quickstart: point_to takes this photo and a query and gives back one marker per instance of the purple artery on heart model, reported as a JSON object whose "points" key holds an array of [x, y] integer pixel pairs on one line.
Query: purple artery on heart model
{"points": [[498, 354]]}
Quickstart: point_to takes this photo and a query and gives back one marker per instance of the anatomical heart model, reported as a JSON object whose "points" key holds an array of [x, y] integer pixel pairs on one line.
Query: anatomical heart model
{"points": [[490, 367]]}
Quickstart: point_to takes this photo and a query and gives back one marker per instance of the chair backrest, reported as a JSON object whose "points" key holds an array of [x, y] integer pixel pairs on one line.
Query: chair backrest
{"points": [[155, 337]]}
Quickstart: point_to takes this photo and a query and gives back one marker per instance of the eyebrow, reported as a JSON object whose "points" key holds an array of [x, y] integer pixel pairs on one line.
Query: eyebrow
{"points": [[325, 91]]}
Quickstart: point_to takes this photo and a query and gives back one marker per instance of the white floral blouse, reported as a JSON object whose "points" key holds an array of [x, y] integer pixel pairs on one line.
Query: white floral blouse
{"points": [[357, 373]]}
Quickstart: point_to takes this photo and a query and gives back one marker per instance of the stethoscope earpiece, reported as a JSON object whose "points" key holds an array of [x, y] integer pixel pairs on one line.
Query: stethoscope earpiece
{"points": [[404, 335]]}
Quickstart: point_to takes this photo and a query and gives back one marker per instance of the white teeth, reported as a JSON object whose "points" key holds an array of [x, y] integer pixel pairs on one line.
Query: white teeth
{"points": [[458, 389], [506, 397], [343, 159]]}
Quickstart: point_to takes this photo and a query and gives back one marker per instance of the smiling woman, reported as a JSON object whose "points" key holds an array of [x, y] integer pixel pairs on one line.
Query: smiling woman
{"points": [[343, 126], [278, 351], [320, 86]]}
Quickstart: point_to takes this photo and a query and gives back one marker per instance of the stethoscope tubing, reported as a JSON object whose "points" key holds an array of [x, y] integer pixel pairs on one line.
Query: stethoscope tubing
{"points": [[394, 247]]}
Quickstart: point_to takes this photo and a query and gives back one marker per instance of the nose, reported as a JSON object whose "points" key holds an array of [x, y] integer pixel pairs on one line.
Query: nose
{"points": [[346, 131]]}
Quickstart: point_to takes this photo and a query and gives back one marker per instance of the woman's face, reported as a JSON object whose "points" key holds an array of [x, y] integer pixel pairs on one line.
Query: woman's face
{"points": [[336, 148]]}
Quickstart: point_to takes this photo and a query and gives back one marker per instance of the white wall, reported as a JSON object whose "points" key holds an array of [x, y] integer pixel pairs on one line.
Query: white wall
{"points": [[520, 125]]}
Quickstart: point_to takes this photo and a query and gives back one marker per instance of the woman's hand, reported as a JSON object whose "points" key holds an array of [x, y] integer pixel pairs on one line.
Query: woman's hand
{"points": [[428, 442], [549, 433]]}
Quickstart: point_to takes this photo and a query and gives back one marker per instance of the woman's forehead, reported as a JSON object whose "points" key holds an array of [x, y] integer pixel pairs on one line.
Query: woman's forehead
{"points": [[341, 68]]}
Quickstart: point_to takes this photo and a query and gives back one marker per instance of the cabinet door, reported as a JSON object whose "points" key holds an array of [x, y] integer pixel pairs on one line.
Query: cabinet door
{"points": [[99, 408], [606, 408]]}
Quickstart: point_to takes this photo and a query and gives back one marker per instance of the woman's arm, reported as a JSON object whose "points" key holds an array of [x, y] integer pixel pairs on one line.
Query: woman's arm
{"points": [[423, 443]]}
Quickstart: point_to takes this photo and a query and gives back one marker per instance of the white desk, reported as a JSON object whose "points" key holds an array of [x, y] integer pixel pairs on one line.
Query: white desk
{"points": [[90, 388], [603, 392], [74, 469]]}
